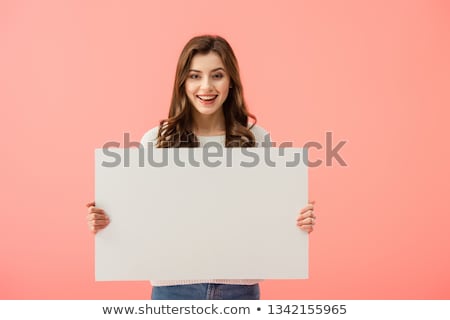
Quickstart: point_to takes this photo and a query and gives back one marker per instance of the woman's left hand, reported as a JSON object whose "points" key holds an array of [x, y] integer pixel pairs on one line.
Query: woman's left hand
{"points": [[306, 218]]}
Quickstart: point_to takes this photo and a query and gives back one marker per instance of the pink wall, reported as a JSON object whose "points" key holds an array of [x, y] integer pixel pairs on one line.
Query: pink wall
{"points": [[75, 74]]}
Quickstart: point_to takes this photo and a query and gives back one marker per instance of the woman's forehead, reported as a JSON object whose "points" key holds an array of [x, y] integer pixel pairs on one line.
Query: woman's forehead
{"points": [[206, 62]]}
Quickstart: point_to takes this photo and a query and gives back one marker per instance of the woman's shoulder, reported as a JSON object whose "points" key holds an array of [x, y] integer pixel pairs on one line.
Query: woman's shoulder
{"points": [[260, 134], [150, 136]]}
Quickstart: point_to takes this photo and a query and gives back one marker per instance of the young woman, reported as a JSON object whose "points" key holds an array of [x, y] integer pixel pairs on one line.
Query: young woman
{"points": [[207, 105]]}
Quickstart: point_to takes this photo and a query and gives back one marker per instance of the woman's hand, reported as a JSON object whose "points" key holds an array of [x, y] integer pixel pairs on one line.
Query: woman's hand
{"points": [[96, 217], [306, 219]]}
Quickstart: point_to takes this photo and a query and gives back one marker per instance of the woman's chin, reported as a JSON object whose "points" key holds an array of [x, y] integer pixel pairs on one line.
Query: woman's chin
{"points": [[207, 110]]}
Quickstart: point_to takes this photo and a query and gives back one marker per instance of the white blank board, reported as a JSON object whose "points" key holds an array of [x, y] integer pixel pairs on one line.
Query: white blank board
{"points": [[233, 221]]}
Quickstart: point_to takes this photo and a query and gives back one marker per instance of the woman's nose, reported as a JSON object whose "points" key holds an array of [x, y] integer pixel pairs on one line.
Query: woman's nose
{"points": [[206, 83]]}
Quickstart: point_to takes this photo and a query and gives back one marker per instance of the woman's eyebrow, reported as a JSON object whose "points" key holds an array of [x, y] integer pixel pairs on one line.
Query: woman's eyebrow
{"points": [[213, 70]]}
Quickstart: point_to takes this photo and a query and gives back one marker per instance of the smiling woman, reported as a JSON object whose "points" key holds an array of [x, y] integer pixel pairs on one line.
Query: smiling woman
{"points": [[207, 97], [207, 106]]}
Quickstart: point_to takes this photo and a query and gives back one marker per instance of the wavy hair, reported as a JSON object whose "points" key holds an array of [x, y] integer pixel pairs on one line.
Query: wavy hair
{"points": [[176, 131]]}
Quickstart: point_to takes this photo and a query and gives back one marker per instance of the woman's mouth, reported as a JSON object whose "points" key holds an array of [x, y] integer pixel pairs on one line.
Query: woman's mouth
{"points": [[207, 99]]}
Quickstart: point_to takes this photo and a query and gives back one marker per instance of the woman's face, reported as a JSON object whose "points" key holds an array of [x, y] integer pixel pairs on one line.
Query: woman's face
{"points": [[207, 84]]}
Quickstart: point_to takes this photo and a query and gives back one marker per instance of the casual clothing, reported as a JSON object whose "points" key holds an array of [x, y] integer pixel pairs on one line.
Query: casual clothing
{"points": [[211, 288], [206, 291]]}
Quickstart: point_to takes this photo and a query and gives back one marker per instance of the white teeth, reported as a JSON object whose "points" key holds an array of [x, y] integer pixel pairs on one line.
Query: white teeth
{"points": [[207, 98]]}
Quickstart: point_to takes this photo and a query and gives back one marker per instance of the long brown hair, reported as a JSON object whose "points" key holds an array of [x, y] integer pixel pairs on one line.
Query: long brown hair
{"points": [[176, 130]]}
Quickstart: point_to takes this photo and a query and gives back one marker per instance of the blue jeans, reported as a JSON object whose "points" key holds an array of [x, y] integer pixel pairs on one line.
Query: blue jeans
{"points": [[206, 291]]}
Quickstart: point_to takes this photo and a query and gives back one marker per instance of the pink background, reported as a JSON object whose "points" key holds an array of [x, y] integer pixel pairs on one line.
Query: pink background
{"points": [[75, 74]]}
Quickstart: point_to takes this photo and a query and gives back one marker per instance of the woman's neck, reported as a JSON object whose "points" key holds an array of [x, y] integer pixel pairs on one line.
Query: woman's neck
{"points": [[209, 125]]}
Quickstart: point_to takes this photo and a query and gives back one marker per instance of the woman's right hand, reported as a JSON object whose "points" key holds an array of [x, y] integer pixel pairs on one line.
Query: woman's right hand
{"points": [[96, 217]]}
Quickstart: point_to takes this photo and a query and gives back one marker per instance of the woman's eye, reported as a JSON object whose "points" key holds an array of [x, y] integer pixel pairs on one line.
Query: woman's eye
{"points": [[194, 76], [218, 76]]}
